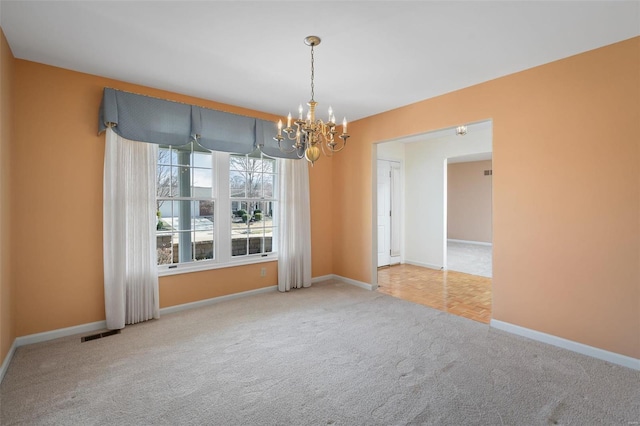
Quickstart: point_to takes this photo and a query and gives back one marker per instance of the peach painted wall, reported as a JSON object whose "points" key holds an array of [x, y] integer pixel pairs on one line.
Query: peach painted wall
{"points": [[566, 192], [57, 207], [322, 222], [469, 201], [7, 328]]}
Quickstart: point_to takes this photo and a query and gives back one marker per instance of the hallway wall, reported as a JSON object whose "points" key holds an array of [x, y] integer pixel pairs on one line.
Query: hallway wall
{"points": [[469, 201], [425, 197]]}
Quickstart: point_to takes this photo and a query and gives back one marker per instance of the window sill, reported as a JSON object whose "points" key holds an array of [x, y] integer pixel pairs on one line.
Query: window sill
{"points": [[190, 267]]}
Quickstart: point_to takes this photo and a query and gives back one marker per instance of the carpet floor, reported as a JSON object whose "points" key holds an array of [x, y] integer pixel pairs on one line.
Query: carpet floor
{"points": [[332, 354]]}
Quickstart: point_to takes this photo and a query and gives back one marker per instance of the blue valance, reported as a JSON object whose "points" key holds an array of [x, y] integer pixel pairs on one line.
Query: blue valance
{"points": [[223, 131], [147, 119]]}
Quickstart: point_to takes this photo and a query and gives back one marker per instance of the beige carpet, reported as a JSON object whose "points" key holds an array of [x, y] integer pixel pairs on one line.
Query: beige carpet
{"points": [[332, 354]]}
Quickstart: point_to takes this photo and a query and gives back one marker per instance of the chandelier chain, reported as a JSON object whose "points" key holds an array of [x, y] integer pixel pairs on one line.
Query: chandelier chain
{"points": [[312, 74]]}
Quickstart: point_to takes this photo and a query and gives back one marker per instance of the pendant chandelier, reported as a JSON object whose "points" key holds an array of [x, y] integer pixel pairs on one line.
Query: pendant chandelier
{"points": [[312, 136]]}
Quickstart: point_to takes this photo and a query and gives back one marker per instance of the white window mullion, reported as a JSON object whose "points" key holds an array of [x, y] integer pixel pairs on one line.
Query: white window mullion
{"points": [[223, 207]]}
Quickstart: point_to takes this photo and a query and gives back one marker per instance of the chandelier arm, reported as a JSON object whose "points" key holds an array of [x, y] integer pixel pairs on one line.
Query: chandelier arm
{"points": [[286, 151], [326, 151], [338, 149], [290, 137], [330, 151], [293, 147]]}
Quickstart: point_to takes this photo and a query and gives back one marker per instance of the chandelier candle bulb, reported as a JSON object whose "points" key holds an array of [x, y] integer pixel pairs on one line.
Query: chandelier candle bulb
{"points": [[344, 125], [300, 112], [289, 121], [279, 127]]}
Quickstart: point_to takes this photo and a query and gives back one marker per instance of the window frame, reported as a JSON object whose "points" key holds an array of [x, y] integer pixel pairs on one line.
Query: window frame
{"points": [[246, 199], [222, 243]]}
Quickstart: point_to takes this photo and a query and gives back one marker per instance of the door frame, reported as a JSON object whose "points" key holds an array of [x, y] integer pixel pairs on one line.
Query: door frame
{"points": [[374, 190], [447, 163], [374, 208], [399, 193]]}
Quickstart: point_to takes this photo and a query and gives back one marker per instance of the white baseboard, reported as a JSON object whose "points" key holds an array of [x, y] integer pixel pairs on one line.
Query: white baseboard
{"points": [[345, 280], [612, 357], [357, 283], [61, 332], [7, 360], [478, 243], [424, 265], [214, 300], [322, 278]]}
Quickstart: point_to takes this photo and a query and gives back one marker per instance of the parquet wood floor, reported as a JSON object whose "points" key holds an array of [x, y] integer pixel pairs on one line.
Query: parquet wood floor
{"points": [[454, 292]]}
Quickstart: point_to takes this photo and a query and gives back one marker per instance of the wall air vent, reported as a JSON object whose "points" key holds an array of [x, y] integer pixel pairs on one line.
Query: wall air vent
{"points": [[488, 172], [99, 335]]}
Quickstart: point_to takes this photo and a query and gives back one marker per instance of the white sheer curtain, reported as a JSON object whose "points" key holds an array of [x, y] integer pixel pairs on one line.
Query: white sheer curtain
{"points": [[129, 227], [294, 251]]}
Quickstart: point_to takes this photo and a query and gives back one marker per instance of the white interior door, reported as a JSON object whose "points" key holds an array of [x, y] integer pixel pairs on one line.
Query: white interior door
{"points": [[395, 229], [384, 213]]}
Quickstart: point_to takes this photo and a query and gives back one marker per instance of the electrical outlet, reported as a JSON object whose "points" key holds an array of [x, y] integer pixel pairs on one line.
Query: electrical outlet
{"points": [[263, 272]]}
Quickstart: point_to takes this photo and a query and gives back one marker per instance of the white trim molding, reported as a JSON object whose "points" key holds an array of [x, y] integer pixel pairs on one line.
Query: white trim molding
{"points": [[345, 280], [61, 332], [7, 360], [356, 283], [612, 357], [424, 265], [214, 300], [478, 243], [322, 278]]}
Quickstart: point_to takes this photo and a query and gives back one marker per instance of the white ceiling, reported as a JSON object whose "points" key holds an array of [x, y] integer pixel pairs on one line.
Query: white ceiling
{"points": [[374, 56]]}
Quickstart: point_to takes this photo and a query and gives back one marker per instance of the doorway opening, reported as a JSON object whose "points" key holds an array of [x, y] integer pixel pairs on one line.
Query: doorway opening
{"points": [[422, 269], [469, 214]]}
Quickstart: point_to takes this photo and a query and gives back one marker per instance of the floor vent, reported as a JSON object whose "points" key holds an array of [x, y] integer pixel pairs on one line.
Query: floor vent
{"points": [[99, 335], [488, 172]]}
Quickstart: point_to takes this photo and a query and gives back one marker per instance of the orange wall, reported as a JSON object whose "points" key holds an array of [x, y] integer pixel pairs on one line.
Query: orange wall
{"points": [[566, 192], [321, 183], [57, 205], [7, 329], [469, 201]]}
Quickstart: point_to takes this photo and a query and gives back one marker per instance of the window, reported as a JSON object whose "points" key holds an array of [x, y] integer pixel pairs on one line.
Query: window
{"points": [[252, 181], [185, 205], [195, 189]]}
